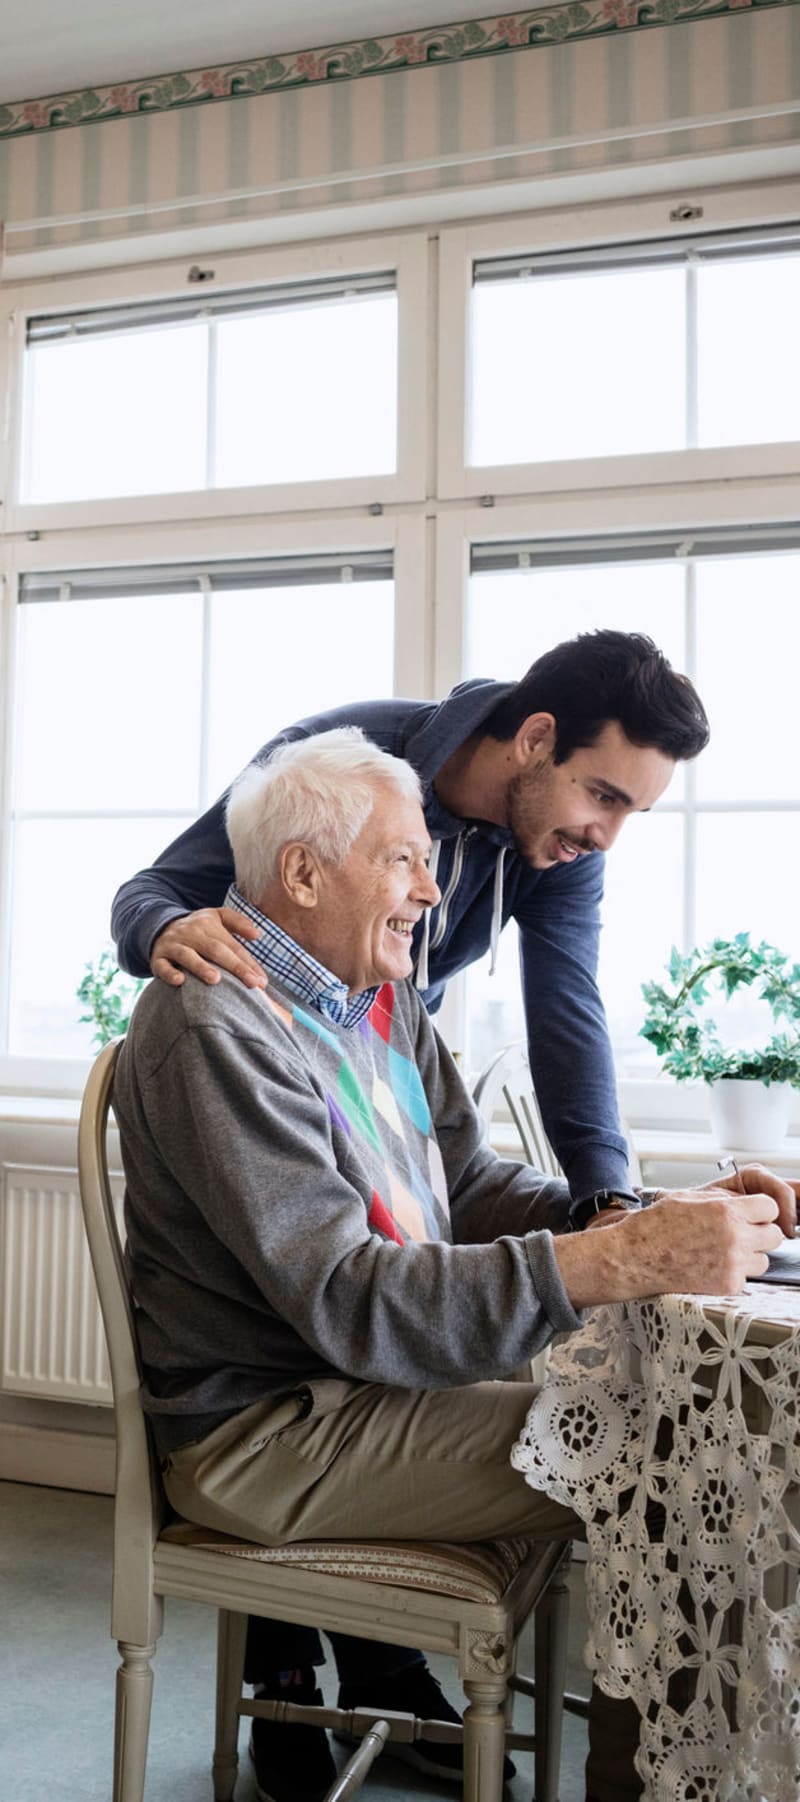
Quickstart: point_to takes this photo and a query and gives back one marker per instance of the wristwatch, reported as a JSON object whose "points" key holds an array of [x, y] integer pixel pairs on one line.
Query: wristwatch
{"points": [[603, 1200], [610, 1201]]}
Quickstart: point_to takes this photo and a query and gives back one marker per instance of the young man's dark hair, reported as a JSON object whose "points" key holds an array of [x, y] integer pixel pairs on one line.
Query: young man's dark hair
{"points": [[602, 676]]}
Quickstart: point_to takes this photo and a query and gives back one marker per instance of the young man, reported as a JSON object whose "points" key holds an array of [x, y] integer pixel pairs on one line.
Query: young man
{"points": [[327, 1258], [525, 786]]}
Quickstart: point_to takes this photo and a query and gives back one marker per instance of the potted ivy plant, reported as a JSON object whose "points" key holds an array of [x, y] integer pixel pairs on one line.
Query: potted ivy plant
{"points": [[108, 996], [750, 1087]]}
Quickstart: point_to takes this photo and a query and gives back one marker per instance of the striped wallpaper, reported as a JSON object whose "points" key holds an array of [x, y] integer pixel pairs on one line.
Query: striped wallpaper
{"points": [[589, 100]]}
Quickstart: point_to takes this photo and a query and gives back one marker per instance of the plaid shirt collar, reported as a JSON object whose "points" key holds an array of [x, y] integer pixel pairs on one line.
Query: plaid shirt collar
{"points": [[284, 959]]}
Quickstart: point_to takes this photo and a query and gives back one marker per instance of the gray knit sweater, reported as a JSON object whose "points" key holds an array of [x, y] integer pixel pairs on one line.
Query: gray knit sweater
{"points": [[305, 1200]]}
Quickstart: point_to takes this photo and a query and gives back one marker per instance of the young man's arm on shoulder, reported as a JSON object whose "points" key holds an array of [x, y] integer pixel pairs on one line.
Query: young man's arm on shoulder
{"points": [[153, 919]]}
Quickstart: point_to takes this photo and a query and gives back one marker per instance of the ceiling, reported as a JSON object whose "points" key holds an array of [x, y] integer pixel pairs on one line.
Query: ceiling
{"points": [[47, 47]]}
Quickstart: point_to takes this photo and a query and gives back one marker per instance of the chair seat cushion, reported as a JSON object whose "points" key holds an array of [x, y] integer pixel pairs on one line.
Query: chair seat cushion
{"points": [[471, 1573]]}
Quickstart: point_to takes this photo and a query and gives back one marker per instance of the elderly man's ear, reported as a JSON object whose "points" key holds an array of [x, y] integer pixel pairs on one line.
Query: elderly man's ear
{"points": [[299, 874]]}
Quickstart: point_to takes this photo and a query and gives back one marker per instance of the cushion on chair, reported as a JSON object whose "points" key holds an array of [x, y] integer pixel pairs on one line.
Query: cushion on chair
{"points": [[471, 1573]]}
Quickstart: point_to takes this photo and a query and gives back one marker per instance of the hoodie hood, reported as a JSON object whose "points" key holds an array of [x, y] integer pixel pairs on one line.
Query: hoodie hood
{"points": [[442, 731]]}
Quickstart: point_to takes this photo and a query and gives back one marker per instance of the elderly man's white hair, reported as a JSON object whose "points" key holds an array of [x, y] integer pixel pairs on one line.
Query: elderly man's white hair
{"points": [[318, 791]]}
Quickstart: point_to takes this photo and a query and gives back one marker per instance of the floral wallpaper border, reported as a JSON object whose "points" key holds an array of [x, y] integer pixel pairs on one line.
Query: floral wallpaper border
{"points": [[566, 22]]}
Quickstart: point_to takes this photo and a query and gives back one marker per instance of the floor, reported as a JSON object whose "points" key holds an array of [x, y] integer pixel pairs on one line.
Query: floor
{"points": [[57, 1667]]}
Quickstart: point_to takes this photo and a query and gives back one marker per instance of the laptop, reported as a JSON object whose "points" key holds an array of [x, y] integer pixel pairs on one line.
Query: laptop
{"points": [[784, 1265]]}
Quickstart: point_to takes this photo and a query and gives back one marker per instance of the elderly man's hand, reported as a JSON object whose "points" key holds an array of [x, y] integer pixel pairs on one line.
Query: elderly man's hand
{"points": [[755, 1179], [693, 1241], [203, 943]]}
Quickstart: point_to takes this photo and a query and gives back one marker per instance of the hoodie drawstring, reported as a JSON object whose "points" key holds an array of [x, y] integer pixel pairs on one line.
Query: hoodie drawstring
{"points": [[497, 910], [421, 976]]}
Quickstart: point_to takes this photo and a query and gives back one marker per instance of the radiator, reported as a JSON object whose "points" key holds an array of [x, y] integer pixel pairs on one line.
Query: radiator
{"points": [[53, 1343]]}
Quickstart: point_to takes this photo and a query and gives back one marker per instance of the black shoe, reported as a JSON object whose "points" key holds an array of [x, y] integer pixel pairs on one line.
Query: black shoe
{"points": [[413, 1690], [292, 1763]]}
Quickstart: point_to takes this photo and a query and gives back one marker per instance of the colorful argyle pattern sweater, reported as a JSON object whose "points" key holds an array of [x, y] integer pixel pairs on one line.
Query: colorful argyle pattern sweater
{"points": [[381, 1123], [305, 1199]]}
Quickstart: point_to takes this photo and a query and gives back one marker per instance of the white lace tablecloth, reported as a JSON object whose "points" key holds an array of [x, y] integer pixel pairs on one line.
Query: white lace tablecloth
{"points": [[619, 1424]]}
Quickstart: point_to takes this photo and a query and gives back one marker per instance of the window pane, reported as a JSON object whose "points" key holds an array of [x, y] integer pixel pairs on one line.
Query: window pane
{"points": [[65, 875], [102, 720], [747, 868], [124, 414], [282, 653], [308, 393], [641, 921], [748, 616], [748, 366], [581, 365], [515, 615]]}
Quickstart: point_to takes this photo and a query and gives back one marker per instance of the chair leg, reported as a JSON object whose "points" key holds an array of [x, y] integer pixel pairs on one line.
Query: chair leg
{"points": [[484, 1739], [551, 1627], [231, 1639], [132, 1721]]}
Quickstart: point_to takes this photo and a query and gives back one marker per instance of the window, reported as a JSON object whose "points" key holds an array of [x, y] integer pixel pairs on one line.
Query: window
{"points": [[631, 350], [697, 866], [294, 383], [140, 694], [301, 483]]}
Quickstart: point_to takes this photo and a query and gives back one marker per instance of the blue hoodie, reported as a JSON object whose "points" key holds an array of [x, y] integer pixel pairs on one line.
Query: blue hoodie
{"points": [[484, 882]]}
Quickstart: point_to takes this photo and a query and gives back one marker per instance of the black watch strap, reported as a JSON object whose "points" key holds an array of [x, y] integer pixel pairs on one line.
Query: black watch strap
{"points": [[621, 1201]]}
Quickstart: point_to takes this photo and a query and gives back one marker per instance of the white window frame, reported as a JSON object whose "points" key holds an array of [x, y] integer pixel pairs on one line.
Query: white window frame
{"points": [[405, 253], [631, 222]]}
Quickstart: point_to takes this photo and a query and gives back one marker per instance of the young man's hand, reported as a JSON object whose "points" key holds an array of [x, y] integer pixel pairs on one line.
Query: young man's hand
{"points": [[203, 943]]}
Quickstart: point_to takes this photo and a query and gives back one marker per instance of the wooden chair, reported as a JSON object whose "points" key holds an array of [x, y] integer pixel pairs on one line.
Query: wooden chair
{"points": [[470, 1601]]}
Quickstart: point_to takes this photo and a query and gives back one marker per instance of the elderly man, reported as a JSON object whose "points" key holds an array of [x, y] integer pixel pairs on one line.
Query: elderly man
{"points": [[328, 1261]]}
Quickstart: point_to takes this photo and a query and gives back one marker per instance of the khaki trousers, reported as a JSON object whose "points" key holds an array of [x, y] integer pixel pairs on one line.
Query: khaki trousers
{"points": [[349, 1460]]}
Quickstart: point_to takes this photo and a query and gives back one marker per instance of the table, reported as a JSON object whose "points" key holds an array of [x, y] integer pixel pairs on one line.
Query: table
{"points": [[695, 1404]]}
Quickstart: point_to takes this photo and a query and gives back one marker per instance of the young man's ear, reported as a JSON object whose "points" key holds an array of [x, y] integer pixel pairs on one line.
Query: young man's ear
{"points": [[535, 739], [299, 874]]}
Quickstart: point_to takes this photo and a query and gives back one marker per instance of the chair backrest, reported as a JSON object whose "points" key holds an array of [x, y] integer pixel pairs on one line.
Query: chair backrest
{"points": [[508, 1078], [140, 1507]]}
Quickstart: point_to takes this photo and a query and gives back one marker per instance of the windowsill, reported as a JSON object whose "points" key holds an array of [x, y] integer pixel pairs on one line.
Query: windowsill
{"points": [[659, 1145], [39, 1110]]}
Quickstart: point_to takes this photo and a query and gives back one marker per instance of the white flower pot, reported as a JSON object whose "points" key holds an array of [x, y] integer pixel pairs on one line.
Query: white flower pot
{"points": [[749, 1116]]}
